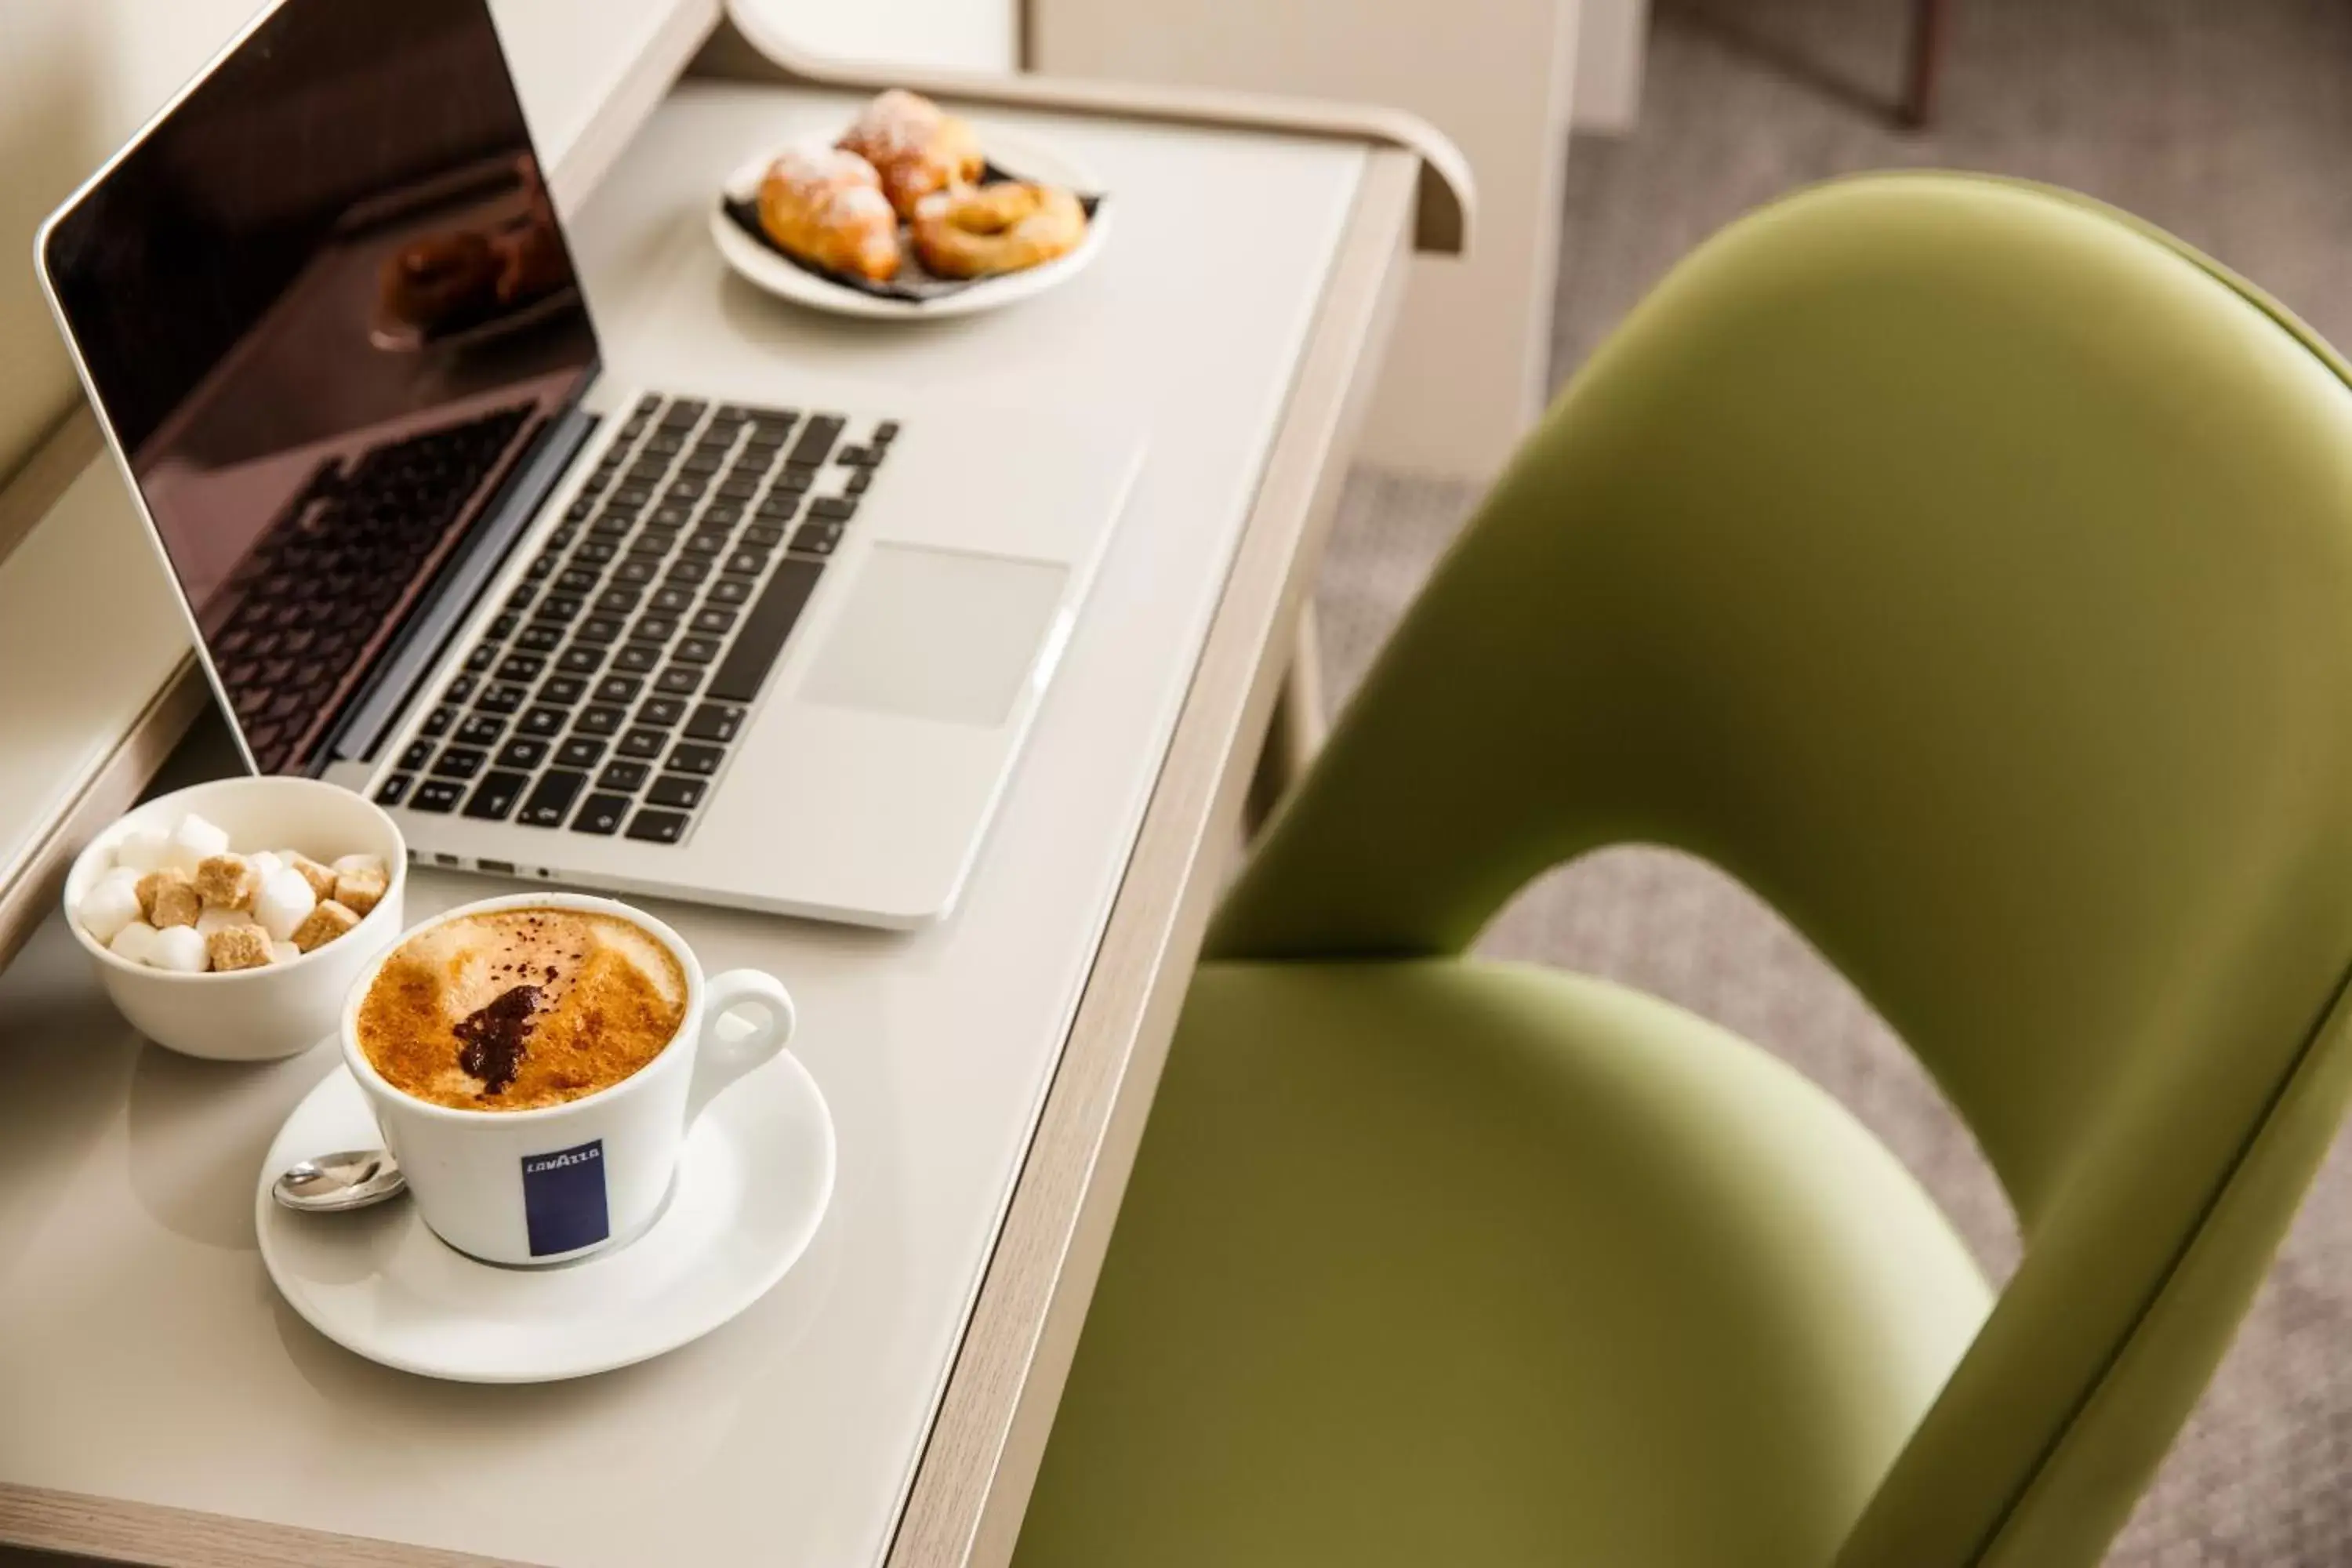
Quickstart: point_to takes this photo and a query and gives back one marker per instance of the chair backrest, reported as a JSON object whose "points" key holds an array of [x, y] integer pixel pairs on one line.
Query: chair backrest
{"points": [[1968, 569]]}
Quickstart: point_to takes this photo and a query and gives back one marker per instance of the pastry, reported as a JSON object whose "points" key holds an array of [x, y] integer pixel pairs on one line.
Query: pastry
{"points": [[827, 206], [916, 147], [440, 281], [977, 231]]}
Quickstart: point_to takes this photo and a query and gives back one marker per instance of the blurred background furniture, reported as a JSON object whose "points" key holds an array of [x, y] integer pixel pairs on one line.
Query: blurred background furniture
{"points": [[1427, 1258]]}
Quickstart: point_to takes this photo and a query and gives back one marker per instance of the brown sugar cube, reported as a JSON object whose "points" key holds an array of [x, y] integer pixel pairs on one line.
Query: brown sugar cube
{"points": [[237, 947], [321, 878], [359, 889], [227, 882], [323, 924], [167, 897]]}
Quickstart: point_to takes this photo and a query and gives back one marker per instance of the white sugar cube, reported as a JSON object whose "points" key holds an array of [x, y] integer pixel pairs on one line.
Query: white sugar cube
{"points": [[213, 918], [108, 905], [135, 941], [283, 952], [264, 864], [284, 900], [142, 849], [179, 949], [192, 841]]}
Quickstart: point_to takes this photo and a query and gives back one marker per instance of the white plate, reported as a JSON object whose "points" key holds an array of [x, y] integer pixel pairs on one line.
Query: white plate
{"points": [[1016, 154], [751, 1188]]}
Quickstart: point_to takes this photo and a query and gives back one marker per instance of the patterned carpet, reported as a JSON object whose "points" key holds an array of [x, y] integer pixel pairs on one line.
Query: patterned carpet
{"points": [[2227, 125]]}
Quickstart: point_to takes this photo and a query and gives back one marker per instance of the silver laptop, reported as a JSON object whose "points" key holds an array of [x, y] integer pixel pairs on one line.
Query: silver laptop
{"points": [[753, 645]]}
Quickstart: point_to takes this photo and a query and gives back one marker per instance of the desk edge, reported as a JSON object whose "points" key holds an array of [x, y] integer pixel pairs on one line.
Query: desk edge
{"points": [[972, 1482]]}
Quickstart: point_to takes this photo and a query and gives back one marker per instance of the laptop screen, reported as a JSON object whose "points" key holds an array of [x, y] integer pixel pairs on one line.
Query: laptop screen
{"points": [[326, 307]]}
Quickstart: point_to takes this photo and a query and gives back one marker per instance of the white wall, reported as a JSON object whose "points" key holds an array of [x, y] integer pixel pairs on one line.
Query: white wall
{"points": [[77, 77]]}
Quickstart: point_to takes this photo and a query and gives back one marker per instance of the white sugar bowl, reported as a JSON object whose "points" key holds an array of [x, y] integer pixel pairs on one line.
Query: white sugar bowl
{"points": [[275, 1009]]}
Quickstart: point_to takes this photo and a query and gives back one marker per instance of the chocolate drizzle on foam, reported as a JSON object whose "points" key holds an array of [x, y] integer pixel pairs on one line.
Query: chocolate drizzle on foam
{"points": [[492, 1039]]}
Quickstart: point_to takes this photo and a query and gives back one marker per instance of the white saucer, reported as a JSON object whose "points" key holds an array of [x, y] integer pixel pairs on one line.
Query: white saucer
{"points": [[1023, 156], [751, 1187]]}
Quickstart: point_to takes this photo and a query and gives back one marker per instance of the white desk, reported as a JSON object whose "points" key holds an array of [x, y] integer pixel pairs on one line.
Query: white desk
{"points": [[144, 1360]]}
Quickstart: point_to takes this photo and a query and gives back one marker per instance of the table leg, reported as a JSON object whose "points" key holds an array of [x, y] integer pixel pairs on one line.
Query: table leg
{"points": [[1297, 732], [1926, 58]]}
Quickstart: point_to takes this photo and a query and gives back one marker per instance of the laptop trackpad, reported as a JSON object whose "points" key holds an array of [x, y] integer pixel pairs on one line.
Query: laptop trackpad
{"points": [[938, 634]]}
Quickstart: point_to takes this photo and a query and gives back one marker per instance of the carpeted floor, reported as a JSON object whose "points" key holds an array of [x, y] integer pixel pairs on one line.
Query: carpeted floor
{"points": [[2227, 125]]}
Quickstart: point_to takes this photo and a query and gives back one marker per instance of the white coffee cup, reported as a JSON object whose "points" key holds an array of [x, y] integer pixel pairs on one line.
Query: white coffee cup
{"points": [[558, 1182]]}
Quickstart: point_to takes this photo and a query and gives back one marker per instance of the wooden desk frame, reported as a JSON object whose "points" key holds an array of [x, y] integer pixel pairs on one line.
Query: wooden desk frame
{"points": [[971, 1484]]}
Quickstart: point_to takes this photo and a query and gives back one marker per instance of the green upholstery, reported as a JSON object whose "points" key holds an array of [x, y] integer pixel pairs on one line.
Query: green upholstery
{"points": [[1966, 568]]}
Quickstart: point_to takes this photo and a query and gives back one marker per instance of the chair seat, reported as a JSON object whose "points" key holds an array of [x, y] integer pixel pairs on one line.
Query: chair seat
{"points": [[1446, 1261]]}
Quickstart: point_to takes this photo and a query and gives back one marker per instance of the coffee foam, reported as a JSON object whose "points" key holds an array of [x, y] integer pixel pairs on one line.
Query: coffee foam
{"points": [[520, 1008]]}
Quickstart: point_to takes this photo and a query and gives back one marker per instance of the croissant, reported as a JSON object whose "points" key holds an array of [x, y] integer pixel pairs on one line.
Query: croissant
{"points": [[827, 206], [916, 146]]}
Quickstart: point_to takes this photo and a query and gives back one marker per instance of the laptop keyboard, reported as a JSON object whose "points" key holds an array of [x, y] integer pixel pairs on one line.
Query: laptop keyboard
{"points": [[605, 696], [331, 567]]}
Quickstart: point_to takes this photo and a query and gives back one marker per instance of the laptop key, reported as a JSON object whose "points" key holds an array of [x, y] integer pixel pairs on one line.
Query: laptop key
{"points": [[833, 509], [521, 667], [478, 730], [886, 432], [436, 795], [551, 797], [437, 723], [737, 677], [690, 570], [419, 753], [695, 650], [638, 659], [653, 628], [659, 827], [746, 564], [544, 722], [598, 721], [618, 689], [579, 752], [460, 689], [599, 628], [699, 761], [672, 515], [575, 580], [722, 514], [671, 600], [766, 535], [672, 789], [458, 762], [395, 789], [601, 815], [684, 414], [780, 506], [557, 608], [644, 743], [482, 657], [627, 777], [710, 541], [540, 637], [617, 600], [523, 752], [564, 690], [495, 796], [660, 711], [595, 552], [503, 627], [679, 680], [715, 722], [729, 591], [817, 538], [857, 456], [634, 571], [859, 481], [818, 437], [580, 659], [501, 698]]}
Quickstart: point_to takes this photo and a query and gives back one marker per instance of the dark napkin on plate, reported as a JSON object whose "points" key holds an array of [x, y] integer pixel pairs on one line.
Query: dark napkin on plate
{"points": [[913, 284]]}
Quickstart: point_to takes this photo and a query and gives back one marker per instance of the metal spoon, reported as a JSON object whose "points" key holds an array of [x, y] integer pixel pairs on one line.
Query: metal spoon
{"points": [[351, 1180]]}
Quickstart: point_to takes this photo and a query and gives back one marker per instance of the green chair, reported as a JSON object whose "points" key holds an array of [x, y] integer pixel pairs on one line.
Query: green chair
{"points": [[1966, 568]]}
